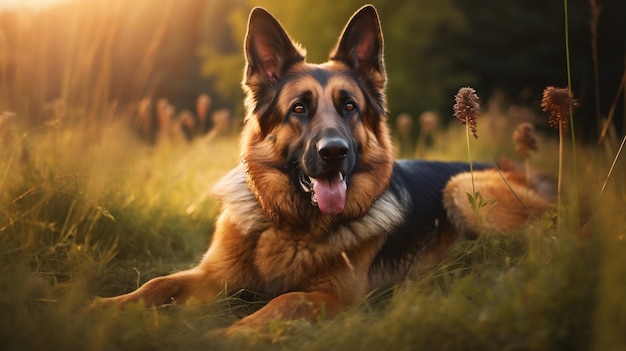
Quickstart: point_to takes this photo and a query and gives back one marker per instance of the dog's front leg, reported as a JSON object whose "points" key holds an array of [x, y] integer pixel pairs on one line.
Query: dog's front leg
{"points": [[174, 288], [310, 306]]}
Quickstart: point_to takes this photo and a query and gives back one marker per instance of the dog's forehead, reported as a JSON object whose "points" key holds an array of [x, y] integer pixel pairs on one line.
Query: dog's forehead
{"points": [[324, 72], [322, 80]]}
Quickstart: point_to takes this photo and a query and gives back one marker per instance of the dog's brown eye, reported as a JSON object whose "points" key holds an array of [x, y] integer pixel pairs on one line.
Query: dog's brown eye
{"points": [[298, 108], [350, 106]]}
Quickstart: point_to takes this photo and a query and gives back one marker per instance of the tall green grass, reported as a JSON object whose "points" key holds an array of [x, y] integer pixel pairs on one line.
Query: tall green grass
{"points": [[84, 217]]}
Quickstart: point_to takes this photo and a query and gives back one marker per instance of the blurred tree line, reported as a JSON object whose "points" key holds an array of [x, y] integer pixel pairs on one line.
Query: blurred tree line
{"points": [[92, 52]]}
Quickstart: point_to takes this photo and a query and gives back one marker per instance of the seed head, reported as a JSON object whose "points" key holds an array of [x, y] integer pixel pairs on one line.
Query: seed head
{"points": [[525, 140], [428, 122], [557, 102], [404, 123], [203, 105], [467, 108]]}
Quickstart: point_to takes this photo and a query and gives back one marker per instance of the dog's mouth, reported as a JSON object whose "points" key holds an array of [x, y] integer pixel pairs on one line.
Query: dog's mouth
{"points": [[328, 192]]}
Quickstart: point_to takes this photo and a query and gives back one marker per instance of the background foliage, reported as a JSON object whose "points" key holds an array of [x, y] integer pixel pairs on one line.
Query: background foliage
{"points": [[180, 49]]}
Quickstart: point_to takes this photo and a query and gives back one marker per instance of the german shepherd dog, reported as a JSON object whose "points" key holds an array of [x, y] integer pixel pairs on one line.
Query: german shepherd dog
{"points": [[318, 214]]}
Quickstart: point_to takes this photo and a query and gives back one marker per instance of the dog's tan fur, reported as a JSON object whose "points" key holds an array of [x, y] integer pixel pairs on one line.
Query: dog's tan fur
{"points": [[514, 202], [269, 237]]}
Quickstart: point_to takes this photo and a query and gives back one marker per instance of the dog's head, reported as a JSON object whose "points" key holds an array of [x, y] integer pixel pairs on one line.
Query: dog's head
{"points": [[315, 134]]}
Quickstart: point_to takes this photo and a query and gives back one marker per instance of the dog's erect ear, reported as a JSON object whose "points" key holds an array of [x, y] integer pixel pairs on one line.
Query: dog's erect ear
{"points": [[360, 46], [269, 50]]}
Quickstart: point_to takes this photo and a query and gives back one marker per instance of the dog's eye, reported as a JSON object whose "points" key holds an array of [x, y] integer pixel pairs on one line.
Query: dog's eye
{"points": [[350, 106], [298, 108]]}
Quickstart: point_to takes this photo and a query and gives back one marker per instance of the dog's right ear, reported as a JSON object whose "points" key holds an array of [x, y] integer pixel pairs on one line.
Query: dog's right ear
{"points": [[360, 46], [269, 50]]}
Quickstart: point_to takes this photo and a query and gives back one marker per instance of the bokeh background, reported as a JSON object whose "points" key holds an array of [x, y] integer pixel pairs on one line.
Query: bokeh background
{"points": [[94, 53]]}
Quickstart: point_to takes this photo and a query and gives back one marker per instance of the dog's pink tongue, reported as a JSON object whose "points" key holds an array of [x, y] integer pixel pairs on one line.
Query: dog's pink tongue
{"points": [[331, 194]]}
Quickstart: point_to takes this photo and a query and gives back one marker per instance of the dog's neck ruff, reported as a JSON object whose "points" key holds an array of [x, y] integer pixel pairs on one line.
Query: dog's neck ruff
{"points": [[254, 189], [238, 193]]}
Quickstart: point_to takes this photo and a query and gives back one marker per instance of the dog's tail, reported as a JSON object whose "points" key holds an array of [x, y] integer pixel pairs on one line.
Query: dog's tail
{"points": [[500, 199], [542, 182]]}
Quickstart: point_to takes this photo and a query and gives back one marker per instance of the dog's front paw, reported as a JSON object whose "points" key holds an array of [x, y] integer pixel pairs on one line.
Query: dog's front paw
{"points": [[119, 302], [106, 302]]}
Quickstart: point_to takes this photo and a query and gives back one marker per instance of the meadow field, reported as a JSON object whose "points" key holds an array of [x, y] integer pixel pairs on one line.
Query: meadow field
{"points": [[93, 203], [92, 211]]}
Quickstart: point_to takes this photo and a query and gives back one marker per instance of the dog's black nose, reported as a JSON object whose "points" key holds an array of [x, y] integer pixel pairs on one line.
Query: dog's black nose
{"points": [[332, 150]]}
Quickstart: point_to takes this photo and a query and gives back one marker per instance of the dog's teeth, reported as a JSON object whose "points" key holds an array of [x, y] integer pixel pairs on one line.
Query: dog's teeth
{"points": [[305, 183]]}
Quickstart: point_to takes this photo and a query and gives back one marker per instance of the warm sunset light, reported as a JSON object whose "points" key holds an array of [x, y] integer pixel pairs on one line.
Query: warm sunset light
{"points": [[29, 4], [181, 175]]}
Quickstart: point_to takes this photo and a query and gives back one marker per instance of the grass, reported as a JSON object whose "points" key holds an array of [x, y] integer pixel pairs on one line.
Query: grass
{"points": [[85, 214]]}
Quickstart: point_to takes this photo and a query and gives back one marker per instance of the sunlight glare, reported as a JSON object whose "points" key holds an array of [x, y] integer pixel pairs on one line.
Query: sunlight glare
{"points": [[36, 5]]}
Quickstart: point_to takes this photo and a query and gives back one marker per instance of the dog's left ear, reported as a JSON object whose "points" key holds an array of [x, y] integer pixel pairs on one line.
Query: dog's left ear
{"points": [[269, 54], [269, 50], [361, 47]]}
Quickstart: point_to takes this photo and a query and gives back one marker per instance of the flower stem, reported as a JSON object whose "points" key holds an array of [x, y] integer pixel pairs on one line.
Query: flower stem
{"points": [[560, 177], [571, 115], [469, 157], [527, 175]]}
